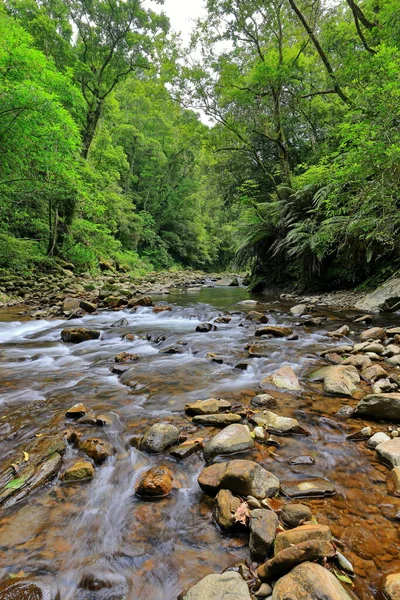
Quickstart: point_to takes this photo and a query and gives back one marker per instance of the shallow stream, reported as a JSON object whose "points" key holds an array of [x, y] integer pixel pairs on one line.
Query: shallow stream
{"points": [[152, 550]]}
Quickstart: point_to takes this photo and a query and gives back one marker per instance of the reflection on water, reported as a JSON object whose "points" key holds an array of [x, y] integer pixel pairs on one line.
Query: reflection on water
{"points": [[99, 541]]}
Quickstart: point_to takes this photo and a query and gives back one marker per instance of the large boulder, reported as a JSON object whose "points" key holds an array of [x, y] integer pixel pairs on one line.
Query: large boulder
{"points": [[288, 558], [384, 299], [227, 586], [243, 477], [341, 380], [310, 581], [159, 437], [300, 534], [263, 525], [380, 406], [81, 334], [234, 438], [276, 424], [284, 378]]}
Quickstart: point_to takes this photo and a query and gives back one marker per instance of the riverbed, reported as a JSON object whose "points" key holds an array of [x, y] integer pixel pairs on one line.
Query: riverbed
{"points": [[73, 534]]}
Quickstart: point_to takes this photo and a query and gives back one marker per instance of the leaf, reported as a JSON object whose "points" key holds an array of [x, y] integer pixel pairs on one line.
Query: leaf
{"points": [[26, 456], [15, 484], [190, 442], [15, 575], [39, 434], [242, 513], [343, 577]]}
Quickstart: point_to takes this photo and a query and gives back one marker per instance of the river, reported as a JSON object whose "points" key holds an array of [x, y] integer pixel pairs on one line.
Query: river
{"points": [[152, 550]]}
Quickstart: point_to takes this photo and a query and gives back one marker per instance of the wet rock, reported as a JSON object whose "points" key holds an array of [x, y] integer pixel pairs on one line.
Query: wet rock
{"points": [[391, 586], [88, 307], [234, 438], [368, 347], [125, 357], [293, 515], [302, 533], [79, 471], [173, 350], [103, 420], [215, 357], [143, 301], [302, 460], [242, 366], [308, 488], [392, 350], [264, 591], [220, 420], [373, 373], [345, 411], [97, 449], [345, 349], [161, 309], [115, 301], [341, 332], [155, 482], [159, 437], [341, 380], [88, 419], [259, 351], [360, 435], [264, 400], [226, 586], [283, 378], [274, 331], [363, 319], [389, 452], [393, 481], [243, 477], [277, 424], [314, 322], [299, 310], [259, 434], [359, 361], [76, 411], [394, 361], [25, 590], [258, 317], [120, 369], [131, 337], [377, 439], [374, 333], [207, 407], [187, 448], [205, 327], [70, 305], [226, 505], [223, 319], [76, 336], [120, 323], [380, 406], [287, 559], [263, 524], [310, 581]]}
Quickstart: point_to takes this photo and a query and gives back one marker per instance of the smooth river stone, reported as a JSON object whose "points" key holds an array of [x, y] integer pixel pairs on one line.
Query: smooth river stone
{"points": [[389, 452], [207, 407], [217, 420], [391, 586], [276, 424], [243, 477], [227, 586], [302, 533], [284, 378], [234, 438], [308, 488], [380, 406], [310, 581]]}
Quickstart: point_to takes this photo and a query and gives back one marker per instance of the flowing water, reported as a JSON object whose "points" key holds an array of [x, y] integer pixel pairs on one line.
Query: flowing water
{"points": [[99, 535]]}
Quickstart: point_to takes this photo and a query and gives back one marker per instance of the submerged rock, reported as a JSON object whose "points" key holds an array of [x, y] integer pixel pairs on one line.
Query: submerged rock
{"points": [[264, 400], [308, 488], [97, 449], [227, 586], [234, 438], [76, 411], [155, 482], [243, 477], [159, 437], [258, 317], [310, 581], [25, 590], [393, 481], [187, 448], [205, 327], [76, 336]]}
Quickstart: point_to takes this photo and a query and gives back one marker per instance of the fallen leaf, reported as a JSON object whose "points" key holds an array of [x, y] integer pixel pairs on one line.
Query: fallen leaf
{"points": [[19, 574], [242, 514], [39, 434], [343, 577], [190, 442], [26, 456]]}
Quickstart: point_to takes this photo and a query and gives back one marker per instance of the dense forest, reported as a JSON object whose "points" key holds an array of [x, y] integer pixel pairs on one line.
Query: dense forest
{"points": [[271, 143]]}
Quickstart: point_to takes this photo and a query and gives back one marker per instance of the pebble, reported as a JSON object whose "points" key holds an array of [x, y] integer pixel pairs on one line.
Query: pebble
{"points": [[253, 502]]}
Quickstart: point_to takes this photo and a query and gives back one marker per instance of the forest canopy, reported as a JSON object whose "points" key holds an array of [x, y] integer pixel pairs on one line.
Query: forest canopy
{"points": [[271, 143]]}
